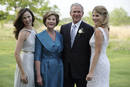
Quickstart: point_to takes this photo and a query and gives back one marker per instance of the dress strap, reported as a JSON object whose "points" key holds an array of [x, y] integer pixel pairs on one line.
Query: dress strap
{"points": [[31, 30], [104, 33], [26, 30]]}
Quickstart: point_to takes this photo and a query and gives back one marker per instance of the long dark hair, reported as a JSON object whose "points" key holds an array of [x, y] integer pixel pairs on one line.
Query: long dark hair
{"points": [[18, 23]]}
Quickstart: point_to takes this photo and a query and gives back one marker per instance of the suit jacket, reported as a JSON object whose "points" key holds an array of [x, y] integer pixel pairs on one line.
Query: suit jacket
{"points": [[77, 59]]}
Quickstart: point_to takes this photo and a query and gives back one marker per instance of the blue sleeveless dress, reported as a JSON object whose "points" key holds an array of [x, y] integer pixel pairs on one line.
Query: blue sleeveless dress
{"points": [[48, 52]]}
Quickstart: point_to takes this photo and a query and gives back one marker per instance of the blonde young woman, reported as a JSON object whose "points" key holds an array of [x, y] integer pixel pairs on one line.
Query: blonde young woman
{"points": [[98, 75]]}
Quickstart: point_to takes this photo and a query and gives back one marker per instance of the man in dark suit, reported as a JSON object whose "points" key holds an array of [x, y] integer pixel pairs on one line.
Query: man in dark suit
{"points": [[76, 52]]}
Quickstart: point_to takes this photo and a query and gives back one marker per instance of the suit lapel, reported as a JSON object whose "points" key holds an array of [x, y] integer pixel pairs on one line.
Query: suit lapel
{"points": [[81, 26], [45, 40], [68, 34], [77, 33]]}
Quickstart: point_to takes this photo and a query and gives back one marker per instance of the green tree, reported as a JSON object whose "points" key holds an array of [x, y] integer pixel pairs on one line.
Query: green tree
{"points": [[118, 16], [65, 20], [3, 15], [88, 18], [39, 7]]}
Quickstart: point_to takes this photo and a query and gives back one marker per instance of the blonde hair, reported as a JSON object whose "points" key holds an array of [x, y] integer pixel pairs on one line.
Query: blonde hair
{"points": [[102, 11]]}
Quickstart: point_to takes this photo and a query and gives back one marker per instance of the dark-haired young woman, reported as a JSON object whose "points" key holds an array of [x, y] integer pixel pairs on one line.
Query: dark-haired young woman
{"points": [[24, 52]]}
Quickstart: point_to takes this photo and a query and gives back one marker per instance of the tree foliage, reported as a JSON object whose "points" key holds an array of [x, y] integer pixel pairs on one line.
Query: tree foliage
{"points": [[88, 18], [119, 16], [39, 7], [3, 15]]}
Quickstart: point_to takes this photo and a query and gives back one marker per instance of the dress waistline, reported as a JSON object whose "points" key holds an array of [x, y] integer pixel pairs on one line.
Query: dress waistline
{"points": [[28, 52]]}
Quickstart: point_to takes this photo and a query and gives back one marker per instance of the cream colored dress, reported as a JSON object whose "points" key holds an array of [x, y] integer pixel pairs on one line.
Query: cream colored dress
{"points": [[102, 69], [27, 58]]}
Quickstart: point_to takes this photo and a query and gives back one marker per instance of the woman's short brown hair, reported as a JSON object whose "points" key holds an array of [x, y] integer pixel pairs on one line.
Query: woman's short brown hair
{"points": [[49, 14]]}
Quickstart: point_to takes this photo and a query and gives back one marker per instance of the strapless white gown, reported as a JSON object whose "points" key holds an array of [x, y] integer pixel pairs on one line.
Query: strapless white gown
{"points": [[102, 70]]}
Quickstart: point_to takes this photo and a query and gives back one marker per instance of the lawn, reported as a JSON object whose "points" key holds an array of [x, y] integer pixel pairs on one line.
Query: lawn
{"points": [[119, 56], [7, 63]]}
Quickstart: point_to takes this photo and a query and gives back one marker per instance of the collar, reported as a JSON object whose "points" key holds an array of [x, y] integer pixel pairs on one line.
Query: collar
{"points": [[77, 24]]}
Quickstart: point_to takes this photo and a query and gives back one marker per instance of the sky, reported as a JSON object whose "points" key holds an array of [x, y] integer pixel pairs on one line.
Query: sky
{"points": [[64, 5]]}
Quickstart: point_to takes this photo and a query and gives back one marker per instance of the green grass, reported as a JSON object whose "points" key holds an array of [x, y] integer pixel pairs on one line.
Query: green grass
{"points": [[7, 63], [119, 56], [119, 59], [118, 52]]}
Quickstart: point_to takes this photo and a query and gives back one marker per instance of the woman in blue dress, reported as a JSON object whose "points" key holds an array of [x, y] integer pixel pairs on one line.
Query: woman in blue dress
{"points": [[48, 47]]}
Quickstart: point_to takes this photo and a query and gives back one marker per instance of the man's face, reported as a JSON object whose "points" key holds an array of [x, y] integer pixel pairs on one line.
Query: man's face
{"points": [[76, 13]]}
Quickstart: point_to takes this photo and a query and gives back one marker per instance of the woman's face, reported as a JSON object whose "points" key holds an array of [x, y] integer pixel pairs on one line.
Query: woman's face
{"points": [[27, 19], [51, 22], [97, 18]]}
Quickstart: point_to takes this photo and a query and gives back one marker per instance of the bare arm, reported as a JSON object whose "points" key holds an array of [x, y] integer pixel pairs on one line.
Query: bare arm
{"points": [[19, 45], [98, 45]]}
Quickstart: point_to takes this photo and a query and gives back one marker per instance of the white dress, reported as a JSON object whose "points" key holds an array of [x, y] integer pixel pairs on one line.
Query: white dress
{"points": [[27, 59], [102, 69]]}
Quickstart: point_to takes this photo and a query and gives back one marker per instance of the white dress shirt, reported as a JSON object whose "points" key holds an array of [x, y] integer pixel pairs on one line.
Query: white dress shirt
{"points": [[73, 32]]}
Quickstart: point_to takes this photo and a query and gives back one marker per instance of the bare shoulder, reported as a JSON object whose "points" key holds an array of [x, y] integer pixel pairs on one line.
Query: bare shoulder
{"points": [[23, 34], [98, 33], [98, 37]]}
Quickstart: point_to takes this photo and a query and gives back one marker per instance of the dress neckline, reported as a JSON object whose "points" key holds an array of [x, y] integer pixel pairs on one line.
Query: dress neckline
{"points": [[50, 36]]}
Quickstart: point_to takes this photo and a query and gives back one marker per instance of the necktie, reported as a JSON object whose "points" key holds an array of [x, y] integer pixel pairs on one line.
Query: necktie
{"points": [[72, 33]]}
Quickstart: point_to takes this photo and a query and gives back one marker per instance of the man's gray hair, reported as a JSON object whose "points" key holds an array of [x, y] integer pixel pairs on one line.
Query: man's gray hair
{"points": [[76, 4]]}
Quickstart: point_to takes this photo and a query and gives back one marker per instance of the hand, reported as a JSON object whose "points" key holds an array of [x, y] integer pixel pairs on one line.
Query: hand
{"points": [[39, 80], [24, 79], [89, 77]]}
